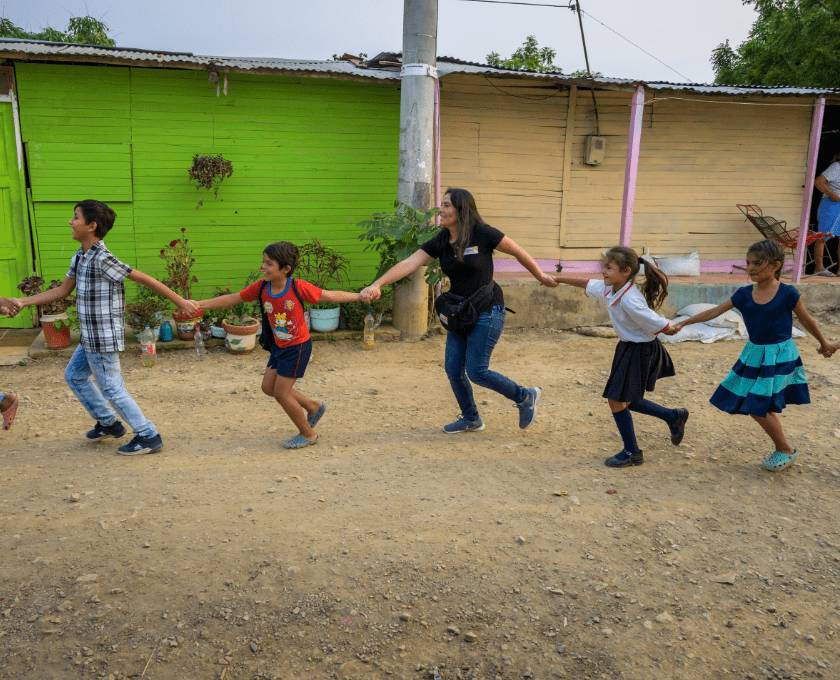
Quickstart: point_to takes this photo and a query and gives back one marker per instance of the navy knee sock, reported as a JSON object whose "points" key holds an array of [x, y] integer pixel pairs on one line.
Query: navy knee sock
{"points": [[624, 422], [651, 408]]}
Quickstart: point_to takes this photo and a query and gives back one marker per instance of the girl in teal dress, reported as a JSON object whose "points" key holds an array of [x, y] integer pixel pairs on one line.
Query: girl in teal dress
{"points": [[769, 374]]}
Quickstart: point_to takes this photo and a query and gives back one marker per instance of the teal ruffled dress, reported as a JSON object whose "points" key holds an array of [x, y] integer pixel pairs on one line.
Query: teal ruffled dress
{"points": [[769, 374]]}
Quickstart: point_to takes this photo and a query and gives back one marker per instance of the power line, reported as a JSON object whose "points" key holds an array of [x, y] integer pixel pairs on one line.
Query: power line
{"points": [[625, 38], [527, 4], [579, 13]]}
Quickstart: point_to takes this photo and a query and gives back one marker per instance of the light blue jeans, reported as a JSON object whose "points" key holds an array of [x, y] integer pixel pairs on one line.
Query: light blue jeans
{"points": [[2, 396], [109, 385], [467, 360]]}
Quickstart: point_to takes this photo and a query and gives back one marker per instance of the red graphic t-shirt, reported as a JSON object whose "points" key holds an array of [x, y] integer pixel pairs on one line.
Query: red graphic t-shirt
{"points": [[285, 313]]}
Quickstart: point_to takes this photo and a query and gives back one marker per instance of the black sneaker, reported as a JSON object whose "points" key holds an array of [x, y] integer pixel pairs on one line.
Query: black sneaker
{"points": [[624, 459], [678, 426], [113, 431], [140, 445]]}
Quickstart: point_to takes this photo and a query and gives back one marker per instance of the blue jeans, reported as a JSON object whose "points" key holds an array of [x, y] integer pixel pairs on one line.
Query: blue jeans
{"points": [[468, 360], [105, 369]]}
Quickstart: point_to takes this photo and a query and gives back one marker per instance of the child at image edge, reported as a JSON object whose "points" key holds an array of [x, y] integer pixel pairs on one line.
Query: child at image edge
{"points": [[8, 400], [281, 299], [769, 374], [640, 359], [98, 279]]}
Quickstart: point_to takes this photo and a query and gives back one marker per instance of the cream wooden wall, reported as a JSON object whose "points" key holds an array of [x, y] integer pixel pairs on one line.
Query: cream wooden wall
{"points": [[504, 140]]}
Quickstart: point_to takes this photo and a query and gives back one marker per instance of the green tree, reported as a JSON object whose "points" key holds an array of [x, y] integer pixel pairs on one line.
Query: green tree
{"points": [[529, 57], [82, 30], [792, 42]]}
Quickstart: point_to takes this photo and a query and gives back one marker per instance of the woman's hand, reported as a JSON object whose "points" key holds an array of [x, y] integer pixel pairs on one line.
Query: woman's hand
{"points": [[548, 281], [370, 294]]}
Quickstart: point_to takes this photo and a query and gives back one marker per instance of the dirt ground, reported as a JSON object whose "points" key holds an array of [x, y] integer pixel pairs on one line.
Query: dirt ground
{"points": [[393, 550]]}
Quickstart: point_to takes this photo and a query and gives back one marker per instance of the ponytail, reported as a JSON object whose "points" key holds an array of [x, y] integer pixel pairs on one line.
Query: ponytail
{"points": [[655, 288]]}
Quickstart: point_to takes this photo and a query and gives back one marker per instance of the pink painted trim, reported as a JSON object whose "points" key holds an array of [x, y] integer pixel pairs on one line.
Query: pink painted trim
{"points": [[437, 149], [506, 265], [810, 171], [631, 170]]}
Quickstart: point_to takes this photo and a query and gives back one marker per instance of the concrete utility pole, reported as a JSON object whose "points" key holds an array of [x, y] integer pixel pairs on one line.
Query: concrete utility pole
{"points": [[416, 169]]}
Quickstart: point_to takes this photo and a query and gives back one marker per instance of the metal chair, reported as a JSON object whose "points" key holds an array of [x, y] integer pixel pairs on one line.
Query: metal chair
{"points": [[776, 230]]}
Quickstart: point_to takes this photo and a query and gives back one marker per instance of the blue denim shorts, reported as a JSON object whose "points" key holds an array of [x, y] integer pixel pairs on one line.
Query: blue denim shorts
{"points": [[290, 362]]}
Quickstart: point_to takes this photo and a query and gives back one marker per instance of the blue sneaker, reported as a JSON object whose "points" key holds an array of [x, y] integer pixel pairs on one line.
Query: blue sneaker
{"points": [[115, 430], [624, 459], [298, 442], [528, 406], [464, 425], [140, 445]]}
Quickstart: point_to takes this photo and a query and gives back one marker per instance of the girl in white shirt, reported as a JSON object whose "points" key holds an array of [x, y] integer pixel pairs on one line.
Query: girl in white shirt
{"points": [[640, 359]]}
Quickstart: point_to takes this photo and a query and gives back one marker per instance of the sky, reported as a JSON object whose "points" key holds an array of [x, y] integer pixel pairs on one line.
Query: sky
{"points": [[680, 33]]}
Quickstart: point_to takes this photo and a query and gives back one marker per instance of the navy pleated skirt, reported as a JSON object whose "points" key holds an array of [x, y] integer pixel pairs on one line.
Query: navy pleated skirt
{"points": [[635, 369]]}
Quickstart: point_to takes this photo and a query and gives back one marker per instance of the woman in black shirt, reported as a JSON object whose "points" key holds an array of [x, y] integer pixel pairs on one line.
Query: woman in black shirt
{"points": [[465, 248]]}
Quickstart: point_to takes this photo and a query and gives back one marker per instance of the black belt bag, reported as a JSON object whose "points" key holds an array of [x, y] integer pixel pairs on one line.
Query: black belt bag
{"points": [[459, 314]]}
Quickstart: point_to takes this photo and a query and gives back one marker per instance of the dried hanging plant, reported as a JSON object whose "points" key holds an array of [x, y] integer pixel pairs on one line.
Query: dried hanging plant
{"points": [[208, 171]]}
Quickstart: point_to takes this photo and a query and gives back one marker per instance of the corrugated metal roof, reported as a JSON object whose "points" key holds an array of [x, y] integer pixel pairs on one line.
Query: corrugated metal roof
{"points": [[14, 48]]}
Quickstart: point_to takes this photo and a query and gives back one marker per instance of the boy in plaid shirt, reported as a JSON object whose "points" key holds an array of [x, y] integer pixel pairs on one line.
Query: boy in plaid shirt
{"points": [[98, 279]]}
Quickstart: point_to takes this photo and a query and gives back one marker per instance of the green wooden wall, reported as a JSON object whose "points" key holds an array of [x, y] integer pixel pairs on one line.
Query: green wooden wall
{"points": [[311, 157]]}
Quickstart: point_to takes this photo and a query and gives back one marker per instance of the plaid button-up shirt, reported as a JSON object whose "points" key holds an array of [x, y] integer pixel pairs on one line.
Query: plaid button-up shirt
{"points": [[100, 298]]}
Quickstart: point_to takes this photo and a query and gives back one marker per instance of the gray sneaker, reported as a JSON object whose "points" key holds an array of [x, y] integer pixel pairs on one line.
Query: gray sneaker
{"points": [[528, 406], [464, 425]]}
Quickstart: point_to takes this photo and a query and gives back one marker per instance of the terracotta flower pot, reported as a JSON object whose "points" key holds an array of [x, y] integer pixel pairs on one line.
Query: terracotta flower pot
{"points": [[241, 339], [55, 337], [185, 326]]}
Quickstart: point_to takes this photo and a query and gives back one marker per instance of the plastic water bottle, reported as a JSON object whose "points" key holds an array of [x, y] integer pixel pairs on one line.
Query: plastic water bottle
{"points": [[369, 333], [148, 350], [199, 343]]}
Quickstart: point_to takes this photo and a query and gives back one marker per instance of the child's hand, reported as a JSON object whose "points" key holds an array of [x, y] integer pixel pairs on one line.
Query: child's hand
{"points": [[828, 349], [370, 294], [9, 306], [191, 308], [548, 280], [673, 330]]}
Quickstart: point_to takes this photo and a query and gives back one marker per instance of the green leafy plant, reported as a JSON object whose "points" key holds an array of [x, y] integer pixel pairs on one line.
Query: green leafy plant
{"points": [[396, 235], [208, 171], [179, 261], [243, 313], [32, 285], [146, 310], [354, 313], [322, 266]]}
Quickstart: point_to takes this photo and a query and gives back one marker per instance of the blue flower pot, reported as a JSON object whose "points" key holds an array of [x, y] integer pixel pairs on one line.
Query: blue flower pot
{"points": [[324, 320]]}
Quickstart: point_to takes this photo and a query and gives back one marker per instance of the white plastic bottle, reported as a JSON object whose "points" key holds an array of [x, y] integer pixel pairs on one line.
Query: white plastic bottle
{"points": [[369, 333], [199, 343], [148, 349]]}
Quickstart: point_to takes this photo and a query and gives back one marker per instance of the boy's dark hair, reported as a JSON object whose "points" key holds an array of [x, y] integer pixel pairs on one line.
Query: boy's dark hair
{"points": [[770, 252], [284, 254], [655, 287], [99, 212]]}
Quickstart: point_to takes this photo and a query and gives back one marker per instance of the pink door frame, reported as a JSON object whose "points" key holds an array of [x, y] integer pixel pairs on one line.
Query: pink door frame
{"points": [[810, 176], [631, 168]]}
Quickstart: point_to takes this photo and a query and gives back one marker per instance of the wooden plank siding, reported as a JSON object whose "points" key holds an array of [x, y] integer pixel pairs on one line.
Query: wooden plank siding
{"points": [[311, 157], [503, 140]]}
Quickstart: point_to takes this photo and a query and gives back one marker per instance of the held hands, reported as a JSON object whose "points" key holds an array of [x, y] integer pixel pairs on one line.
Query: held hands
{"points": [[548, 281], [10, 306], [190, 308], [370, 294], [828, 349], [673, 330]]}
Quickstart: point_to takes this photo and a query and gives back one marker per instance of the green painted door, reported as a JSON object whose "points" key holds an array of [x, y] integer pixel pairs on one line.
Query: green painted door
{"points": [[14, 231]]}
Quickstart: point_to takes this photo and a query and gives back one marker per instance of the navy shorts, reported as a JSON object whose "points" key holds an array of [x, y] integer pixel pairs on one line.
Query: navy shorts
{"points": [[290, 362]]}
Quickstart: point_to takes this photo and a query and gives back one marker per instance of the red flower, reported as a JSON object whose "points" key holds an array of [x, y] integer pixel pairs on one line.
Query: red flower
{"points": [[174, 243]]}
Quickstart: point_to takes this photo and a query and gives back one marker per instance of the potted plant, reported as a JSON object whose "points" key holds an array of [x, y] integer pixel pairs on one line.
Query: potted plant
{"points": [[147, 310], [209, 170], [240, 328], [54, 318], [179, 277], [325, 268], [395, 235], [213, 317]]}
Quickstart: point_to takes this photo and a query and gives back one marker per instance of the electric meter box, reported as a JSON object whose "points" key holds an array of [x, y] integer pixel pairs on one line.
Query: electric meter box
{"points": [[594, 150]]}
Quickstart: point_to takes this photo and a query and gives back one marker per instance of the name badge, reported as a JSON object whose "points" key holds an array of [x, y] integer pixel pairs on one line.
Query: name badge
{"points": [[472, 250]]}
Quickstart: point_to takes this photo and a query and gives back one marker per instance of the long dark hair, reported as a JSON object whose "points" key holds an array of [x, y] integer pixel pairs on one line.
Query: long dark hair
{"points": [[467, 216], [769, 252], [655, 287]]}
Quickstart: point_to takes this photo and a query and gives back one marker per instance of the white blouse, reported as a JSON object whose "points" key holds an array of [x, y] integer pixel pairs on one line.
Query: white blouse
{"points": [[631, 317]]}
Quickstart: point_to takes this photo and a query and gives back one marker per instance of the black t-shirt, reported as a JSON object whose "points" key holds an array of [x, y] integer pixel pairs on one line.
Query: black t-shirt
{"points": [[477, 268]]}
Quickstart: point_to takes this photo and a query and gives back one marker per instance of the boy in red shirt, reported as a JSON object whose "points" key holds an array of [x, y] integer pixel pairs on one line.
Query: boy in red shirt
{"points": [[281, 300]]}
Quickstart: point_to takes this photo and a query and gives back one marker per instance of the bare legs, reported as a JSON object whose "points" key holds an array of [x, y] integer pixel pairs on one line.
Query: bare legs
{"points": [[772, 425], [296, 405]]}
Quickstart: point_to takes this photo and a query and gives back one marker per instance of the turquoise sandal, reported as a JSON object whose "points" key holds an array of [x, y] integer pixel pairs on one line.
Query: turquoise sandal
{"points": [[298, 442], [778, 461], [315, 417]]}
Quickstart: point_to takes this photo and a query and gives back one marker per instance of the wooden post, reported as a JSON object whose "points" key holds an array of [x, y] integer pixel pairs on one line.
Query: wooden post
{"points": [[810, 172], [631, 169]]}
